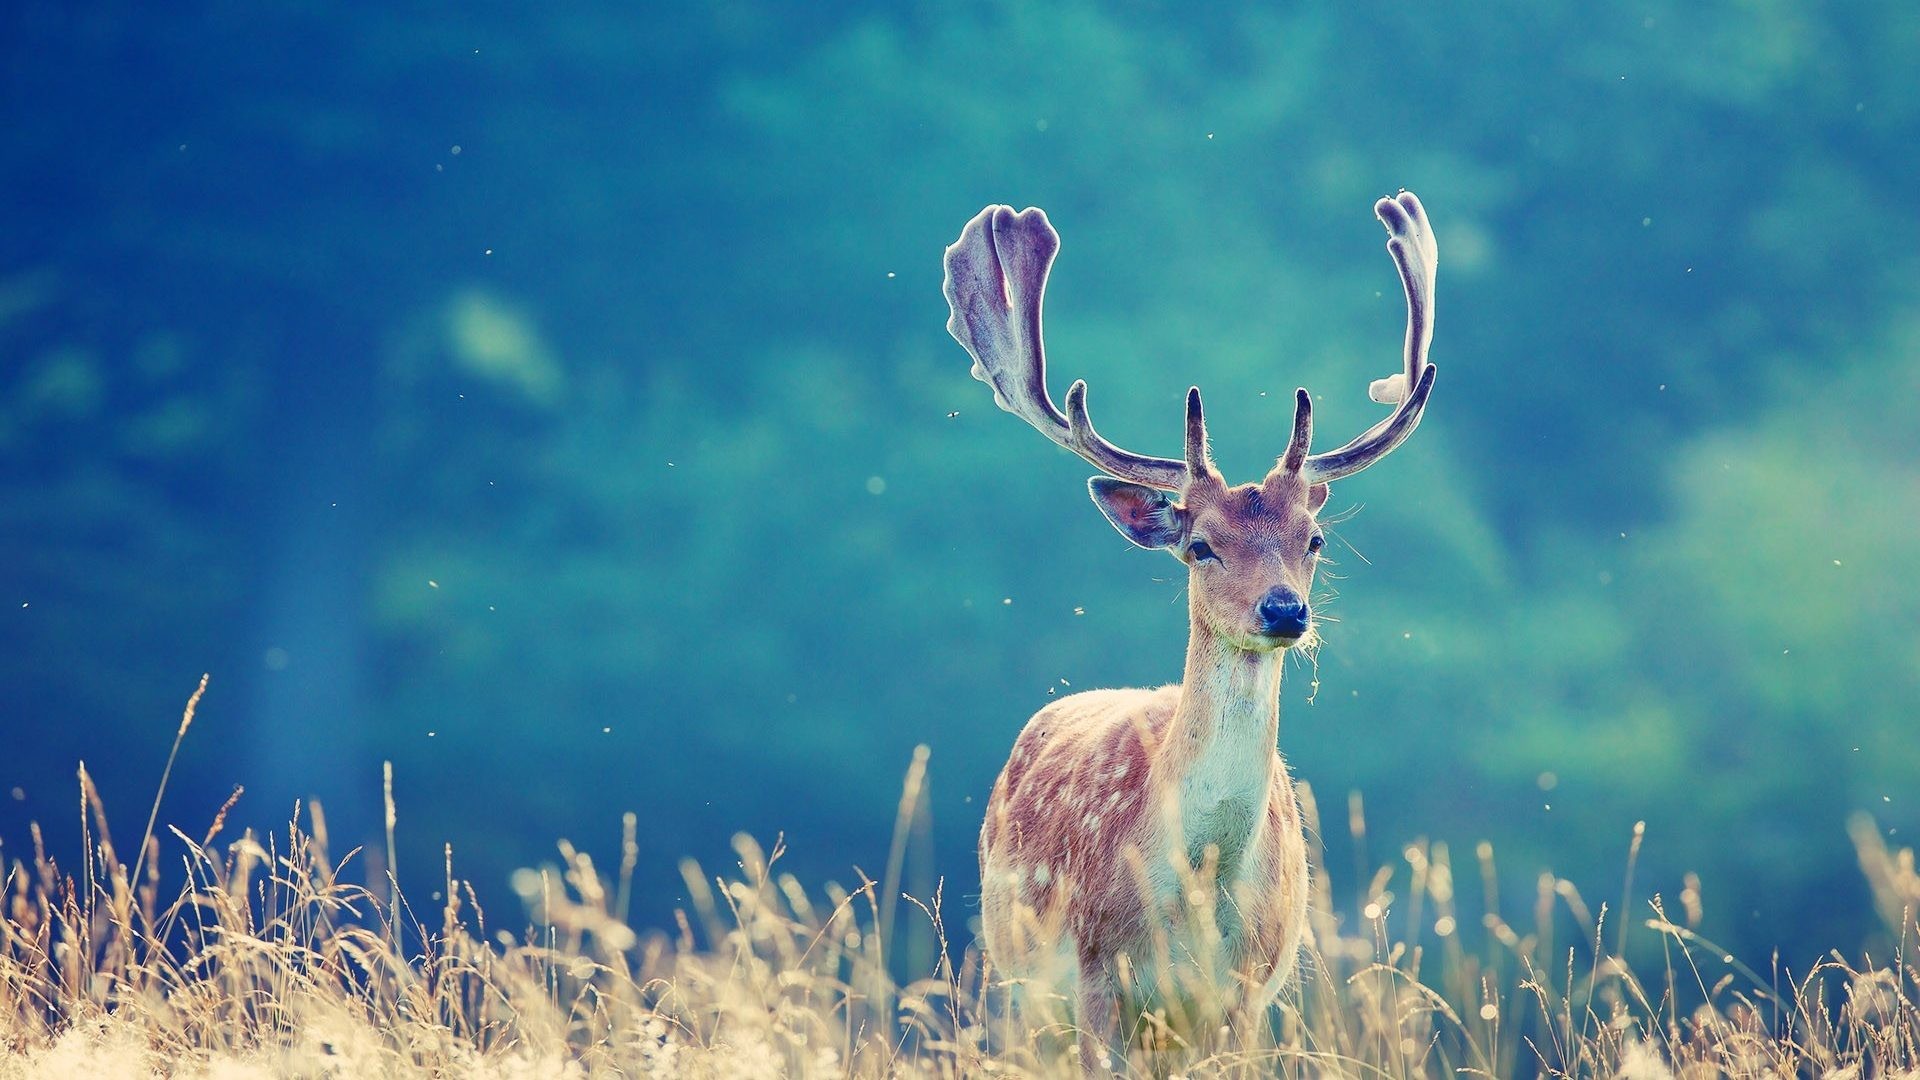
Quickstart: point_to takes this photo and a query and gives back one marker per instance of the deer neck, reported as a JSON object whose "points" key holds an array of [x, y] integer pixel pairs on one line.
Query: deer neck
{"points": [[1223, 745]]}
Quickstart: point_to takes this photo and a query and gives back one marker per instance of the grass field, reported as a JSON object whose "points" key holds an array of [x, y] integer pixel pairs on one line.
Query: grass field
{"points": [[258, 955]]}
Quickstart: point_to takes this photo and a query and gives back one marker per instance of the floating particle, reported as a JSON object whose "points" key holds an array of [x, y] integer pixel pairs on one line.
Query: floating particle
{"points": [[432, 584], [454, 150], [489, 251], [606, 731], [889, 273], [953, 414], [1489, 1011], [431, 734], [1006, 601], [876, 485], [1076, 610]]}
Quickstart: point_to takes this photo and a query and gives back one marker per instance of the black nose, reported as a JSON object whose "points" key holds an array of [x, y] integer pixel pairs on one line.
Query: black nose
{"points": [[1282, 613]]}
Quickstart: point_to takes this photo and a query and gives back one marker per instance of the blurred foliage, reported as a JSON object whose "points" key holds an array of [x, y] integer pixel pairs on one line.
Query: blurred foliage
{"points": [[564, 394]]}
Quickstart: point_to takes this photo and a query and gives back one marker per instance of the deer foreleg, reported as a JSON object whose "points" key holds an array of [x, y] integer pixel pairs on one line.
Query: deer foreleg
{"points": [[1095, 1009]]}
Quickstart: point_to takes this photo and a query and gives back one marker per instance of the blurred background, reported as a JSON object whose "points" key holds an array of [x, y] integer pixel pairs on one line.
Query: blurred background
{"points": [[556, 402]]}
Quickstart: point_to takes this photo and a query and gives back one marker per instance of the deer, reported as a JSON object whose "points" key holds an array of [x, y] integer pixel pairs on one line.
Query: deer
{"points": [[1142, 841]]}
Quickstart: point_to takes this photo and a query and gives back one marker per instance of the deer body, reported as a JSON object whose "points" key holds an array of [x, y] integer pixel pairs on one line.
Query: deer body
{"points": [[1143, 848], [1108, 794]]}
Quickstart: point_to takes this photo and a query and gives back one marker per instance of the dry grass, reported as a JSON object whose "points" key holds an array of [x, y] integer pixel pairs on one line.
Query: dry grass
{"points": [[254, 956]]}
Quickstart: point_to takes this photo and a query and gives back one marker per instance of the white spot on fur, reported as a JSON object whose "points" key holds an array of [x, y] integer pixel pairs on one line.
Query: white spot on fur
{"points": [[1042, 874]]}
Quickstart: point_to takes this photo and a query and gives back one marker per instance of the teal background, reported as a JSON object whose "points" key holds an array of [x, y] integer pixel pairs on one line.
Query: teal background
{"points": [[556, 402]]}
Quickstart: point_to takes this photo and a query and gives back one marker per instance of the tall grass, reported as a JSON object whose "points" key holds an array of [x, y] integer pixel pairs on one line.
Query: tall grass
{"points": [[255, 955]]}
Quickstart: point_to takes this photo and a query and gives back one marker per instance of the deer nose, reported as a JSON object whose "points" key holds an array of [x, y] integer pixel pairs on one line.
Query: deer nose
{"points": [[1282, 613]]}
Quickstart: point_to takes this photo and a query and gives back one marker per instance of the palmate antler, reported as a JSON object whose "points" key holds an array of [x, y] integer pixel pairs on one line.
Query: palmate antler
{"points": [[1410, 242], [996, 281]]}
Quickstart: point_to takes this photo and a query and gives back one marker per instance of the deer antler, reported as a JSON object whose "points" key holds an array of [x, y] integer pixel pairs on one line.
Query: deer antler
{"points": [[996, 280], [1410, 241]]}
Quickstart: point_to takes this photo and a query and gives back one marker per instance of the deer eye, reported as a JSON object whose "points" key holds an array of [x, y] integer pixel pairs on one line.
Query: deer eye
{"points": [[1314, 545], [1201, 551]]}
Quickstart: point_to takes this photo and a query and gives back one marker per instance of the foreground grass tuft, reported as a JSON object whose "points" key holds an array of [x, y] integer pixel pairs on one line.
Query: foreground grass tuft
{"points": [[261, 959]]}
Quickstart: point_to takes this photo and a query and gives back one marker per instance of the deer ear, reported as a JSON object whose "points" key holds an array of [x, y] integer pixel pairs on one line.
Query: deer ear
{"points": [[1317, 497], [1143, 515]]}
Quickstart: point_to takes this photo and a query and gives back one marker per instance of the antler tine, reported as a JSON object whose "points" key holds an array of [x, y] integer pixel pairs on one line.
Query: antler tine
{"points": [[1199, 456], [1411, 243], [1296, 454], [996, 281], [1162, 473]]}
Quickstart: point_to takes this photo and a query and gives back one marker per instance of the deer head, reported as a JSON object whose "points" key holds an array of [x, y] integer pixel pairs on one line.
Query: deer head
{"points": [[1251, 550]]}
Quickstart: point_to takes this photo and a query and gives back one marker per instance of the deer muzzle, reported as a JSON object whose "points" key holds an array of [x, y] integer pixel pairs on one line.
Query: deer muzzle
{"points": [[1282, 613]]}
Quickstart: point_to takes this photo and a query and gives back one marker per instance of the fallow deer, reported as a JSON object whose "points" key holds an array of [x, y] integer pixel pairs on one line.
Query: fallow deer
{"points": [[1138, 834]]}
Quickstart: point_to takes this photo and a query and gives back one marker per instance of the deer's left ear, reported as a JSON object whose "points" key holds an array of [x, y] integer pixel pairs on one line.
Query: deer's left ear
{"points": [[1317, 497], [1144, 515]]}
